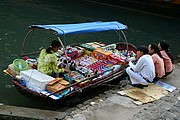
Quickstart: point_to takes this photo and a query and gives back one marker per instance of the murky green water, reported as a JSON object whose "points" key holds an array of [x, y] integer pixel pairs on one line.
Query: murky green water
{"points": [[16, 15]]}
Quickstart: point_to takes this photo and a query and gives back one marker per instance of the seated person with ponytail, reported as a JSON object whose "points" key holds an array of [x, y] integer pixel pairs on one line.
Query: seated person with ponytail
{"points": [[167, 57], [158, 61], [48, 61]]}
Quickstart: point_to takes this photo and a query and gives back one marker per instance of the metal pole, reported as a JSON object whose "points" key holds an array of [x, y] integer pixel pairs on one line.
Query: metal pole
{"points": [[25, 40], [66, 57]]}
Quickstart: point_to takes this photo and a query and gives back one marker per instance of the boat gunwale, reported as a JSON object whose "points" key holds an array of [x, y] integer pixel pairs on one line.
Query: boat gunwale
{"points": [[94, 83]]}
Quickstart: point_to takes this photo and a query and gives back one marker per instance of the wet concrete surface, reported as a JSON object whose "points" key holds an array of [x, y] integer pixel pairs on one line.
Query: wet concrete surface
{"points": [[108, 105], [112, 106]]}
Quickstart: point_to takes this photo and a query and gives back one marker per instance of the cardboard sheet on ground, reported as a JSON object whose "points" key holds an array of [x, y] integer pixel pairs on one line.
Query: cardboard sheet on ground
{"points": [[148, 94]]}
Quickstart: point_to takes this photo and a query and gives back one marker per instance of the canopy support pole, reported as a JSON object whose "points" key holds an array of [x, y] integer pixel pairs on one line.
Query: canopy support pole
{"points": [[65, 56], [125, 41], [25, 40]]}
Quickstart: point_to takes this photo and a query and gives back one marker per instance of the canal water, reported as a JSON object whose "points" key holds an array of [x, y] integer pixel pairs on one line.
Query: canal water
{"points": [[16, 15]]}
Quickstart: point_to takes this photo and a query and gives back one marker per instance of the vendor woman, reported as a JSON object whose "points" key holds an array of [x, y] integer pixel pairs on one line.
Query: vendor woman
{"points": [[48, 61]]}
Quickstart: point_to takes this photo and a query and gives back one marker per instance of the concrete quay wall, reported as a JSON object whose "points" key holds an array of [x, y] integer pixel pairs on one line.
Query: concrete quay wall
{"points": [[21, 113]]}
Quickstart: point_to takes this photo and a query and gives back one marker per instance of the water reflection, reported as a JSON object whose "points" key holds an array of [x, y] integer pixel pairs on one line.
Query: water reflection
{"points": [[16, 15]]}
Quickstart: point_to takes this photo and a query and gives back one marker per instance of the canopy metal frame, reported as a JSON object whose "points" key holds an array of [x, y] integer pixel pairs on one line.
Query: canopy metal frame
{"points": [[58, 31]]}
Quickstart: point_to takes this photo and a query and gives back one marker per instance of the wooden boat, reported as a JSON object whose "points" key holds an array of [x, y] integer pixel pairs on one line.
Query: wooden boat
{"points": [[96, 63]]}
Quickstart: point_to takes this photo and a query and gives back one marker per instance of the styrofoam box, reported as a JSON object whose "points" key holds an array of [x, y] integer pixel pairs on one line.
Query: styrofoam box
{"points": [[35, 79]]}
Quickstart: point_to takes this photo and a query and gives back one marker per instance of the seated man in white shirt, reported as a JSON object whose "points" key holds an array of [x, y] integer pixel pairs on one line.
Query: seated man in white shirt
{"points": [[143, 72]]}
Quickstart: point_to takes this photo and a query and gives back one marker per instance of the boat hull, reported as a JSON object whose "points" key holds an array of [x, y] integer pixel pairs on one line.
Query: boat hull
{"points": [[79, 90]]}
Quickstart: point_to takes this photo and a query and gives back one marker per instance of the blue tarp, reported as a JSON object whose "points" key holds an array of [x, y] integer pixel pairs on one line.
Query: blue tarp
{"points": [[61, 29]]}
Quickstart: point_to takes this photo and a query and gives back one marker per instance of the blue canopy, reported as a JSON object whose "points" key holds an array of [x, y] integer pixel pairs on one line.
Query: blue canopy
{"points": [[61, 29]]}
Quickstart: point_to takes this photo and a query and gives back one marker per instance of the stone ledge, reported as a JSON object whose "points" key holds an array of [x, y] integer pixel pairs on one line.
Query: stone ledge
{"points": [[22, 113]]}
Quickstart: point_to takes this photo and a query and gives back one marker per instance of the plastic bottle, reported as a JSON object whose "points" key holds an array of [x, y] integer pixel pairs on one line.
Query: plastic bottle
{"points": [[20, 66]]}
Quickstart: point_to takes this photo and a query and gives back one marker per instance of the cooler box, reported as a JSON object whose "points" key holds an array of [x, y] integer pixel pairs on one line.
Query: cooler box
{"points": [[35, 80]]}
